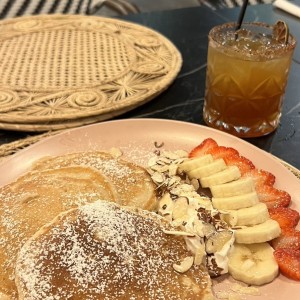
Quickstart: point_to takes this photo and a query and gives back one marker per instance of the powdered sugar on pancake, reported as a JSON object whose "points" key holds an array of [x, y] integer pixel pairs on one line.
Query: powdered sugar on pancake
{"points": [[132, 183], [102, 251]]}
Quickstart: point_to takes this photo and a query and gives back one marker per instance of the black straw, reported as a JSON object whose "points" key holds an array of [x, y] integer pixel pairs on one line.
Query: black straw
{"points": [[241, 15]]}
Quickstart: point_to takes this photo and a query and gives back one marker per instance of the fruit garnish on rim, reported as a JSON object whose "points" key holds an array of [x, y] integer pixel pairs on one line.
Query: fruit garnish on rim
{"points": [[281, 32]]}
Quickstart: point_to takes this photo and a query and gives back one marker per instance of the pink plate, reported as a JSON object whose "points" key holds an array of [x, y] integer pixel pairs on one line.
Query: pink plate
{"points": [[138, 139]]}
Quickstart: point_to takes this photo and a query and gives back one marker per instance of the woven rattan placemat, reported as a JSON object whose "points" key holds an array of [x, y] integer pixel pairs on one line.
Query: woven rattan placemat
{"points": [[62, 71]]}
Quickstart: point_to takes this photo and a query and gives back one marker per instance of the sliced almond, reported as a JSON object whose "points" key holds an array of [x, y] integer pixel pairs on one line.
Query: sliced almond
{"points": [[158, 177], [172, 170], [173, 181], [187, 187], [200, 255], [217, 241], [164, 160], [152, 161], [184, 265], [180, 208], [170, 155], [160, 169], [179, 233]]}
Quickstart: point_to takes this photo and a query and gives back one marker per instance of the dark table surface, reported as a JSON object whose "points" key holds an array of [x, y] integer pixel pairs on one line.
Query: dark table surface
{"points": [[188, 30]]}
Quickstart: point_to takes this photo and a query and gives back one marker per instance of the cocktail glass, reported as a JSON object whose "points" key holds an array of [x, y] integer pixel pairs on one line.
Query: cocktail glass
{"points": [[247, 72]]}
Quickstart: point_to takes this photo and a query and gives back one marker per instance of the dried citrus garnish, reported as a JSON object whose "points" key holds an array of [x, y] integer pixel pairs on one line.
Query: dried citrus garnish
{"points": [[281, 32]]}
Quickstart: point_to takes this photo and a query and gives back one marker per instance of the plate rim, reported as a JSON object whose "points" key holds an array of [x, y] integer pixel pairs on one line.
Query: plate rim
{"points": [[146, 120], [293, 285], [230, 139]]}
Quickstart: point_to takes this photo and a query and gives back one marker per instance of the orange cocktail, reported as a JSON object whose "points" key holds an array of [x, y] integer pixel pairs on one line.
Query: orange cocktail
{"points": [[246, 78]]}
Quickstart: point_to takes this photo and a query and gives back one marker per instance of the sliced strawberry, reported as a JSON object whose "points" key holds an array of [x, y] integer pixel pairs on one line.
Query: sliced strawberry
{"points": [[273, 197], [222, 152], [230, 155], [244, 164], [261, 177], [202, 149], [285, 216], [289, 239], [289, 262]]}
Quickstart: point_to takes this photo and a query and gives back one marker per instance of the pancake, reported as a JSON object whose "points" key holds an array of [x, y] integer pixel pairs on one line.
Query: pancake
{"points": [[132, 182], [104, 251], [34, 200]]}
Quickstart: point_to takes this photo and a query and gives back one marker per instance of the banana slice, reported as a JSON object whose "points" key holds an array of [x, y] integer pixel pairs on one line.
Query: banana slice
{"points": [[252, 264], [258, 233], [195, 163], [231, 173], [235, 202], [234, 188], [249, 216], [209, 169]]}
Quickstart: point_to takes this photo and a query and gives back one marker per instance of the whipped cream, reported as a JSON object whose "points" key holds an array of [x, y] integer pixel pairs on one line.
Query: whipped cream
{"points": [[182, 204]]}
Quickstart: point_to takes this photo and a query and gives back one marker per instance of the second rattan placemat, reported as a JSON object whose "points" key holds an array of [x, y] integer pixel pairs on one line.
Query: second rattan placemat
{"points": [[61, 71]]}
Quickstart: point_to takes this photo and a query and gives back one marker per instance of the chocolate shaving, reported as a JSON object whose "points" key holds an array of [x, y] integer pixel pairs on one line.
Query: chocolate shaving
{"points": [[157, 152], [213, 269], [157, 145]]}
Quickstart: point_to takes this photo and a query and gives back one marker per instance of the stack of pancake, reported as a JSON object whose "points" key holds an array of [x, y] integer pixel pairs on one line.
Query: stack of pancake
{"points": [[76, 227]]}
